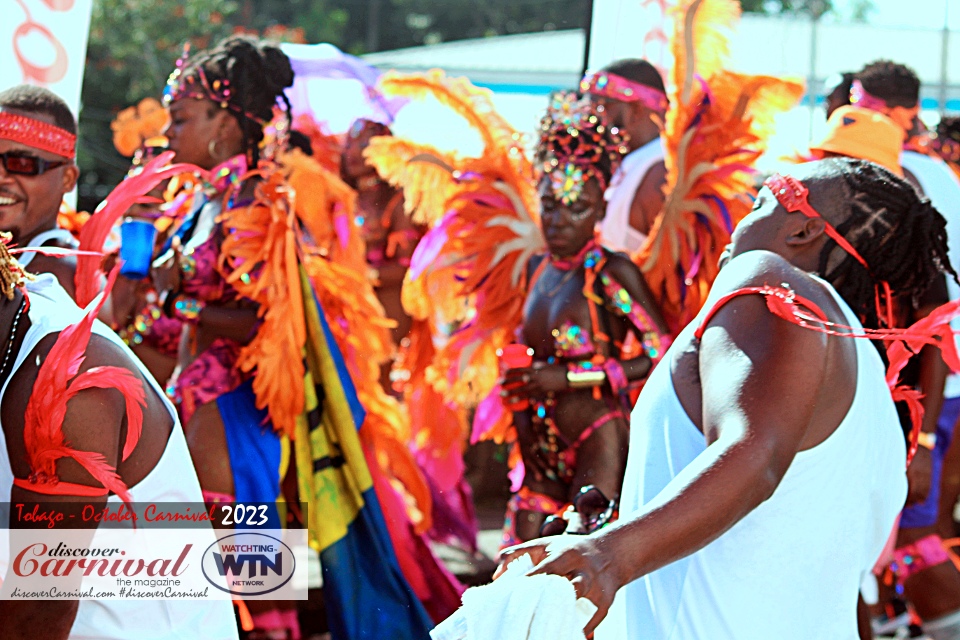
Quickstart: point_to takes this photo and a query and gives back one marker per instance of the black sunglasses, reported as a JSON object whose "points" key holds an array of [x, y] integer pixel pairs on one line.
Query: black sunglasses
{"points": [[594, 509], [26, 165]]}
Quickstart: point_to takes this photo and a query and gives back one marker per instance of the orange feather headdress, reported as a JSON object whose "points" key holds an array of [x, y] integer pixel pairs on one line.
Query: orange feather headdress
{"points": [[714, 132]]}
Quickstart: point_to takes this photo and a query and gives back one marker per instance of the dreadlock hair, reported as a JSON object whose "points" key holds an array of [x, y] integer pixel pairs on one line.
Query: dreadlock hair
{"points": [[900, 235], [31, 99], [257, 72], [896, 84], [637, 70]]}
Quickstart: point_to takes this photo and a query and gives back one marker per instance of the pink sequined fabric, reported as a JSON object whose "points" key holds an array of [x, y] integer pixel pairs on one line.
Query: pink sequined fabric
{"points": [[214, 371], [211, 375], [164, 336], [208, 283]]}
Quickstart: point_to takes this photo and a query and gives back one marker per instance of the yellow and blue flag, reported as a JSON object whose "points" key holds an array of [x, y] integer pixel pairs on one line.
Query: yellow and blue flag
{"points": [[367, 596]]}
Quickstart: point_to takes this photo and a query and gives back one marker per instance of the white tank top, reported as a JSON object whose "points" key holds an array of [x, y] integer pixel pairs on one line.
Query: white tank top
{"points": [[41, 239], [615, 230], [791, 569], [173, 479]]}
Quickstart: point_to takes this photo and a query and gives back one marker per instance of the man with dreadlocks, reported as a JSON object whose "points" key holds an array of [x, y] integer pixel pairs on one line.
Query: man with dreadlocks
{"points": [[633, 98], [759, 477], [931, 584], [38, 135], [571, 403]]}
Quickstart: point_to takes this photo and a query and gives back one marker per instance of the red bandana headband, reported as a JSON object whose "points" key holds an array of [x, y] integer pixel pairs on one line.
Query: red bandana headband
{"points": [[792, 195], [38, 134], [610, 85]]}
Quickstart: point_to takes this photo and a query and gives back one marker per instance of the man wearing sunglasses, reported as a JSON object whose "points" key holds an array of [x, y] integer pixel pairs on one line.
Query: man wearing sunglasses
{"points": [[38, 135]]}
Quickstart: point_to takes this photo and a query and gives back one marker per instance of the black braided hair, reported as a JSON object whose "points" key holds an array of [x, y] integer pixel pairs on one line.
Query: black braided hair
{"points": [[258, 72], [32, 99], [899, 234], [896, 84], [947, 143]]}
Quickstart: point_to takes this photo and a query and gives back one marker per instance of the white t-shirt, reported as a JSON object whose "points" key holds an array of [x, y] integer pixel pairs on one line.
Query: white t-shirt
{"points": [[173, 479], [615, 230], [791, 569], [940, 185]]}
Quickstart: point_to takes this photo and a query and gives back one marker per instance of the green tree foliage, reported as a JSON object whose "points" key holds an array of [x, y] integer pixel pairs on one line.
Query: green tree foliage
{"points": [[133, 46], [807, 7], [134, 43], [414, 22]]}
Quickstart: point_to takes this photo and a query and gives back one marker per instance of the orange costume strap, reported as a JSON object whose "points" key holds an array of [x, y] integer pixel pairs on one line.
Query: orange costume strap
{"points": [[903, 343]]}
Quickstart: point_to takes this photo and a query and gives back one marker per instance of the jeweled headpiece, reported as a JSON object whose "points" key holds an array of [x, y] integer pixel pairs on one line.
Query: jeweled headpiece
{"points": [[38, 134], [194, 84], [610, 85], [576, 144]]}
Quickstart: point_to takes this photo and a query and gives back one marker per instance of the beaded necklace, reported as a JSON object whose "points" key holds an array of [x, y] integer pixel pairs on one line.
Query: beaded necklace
{"points": [[12, 338]]}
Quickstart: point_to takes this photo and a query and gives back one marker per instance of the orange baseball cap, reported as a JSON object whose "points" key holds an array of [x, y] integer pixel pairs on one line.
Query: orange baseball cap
{"points": [[862, 133]]}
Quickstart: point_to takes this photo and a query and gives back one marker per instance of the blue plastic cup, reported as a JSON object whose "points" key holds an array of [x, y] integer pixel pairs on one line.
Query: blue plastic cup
{"points": [[136, 247]]}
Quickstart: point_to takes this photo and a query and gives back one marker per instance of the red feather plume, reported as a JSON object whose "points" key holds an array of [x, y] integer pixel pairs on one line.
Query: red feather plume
{"points": [[57, 383], [96, 230]]}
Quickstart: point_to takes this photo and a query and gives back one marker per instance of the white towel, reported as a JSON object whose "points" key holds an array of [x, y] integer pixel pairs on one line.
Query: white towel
{"points": [[519, 607]]}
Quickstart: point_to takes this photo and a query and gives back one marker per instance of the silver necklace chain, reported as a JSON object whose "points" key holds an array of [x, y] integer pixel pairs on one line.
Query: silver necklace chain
{"points": [[12, 338]]}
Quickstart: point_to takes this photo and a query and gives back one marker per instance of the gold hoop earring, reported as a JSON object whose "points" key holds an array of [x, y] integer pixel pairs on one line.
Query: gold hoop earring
{"points": [[212, 149]]}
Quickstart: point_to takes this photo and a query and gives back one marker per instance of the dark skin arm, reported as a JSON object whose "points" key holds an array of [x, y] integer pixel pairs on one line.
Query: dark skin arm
{"points": [[53, 619], [747, 356], [391, 275], [648, 201], [933, 376], [235, 321], [538, 380]]}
